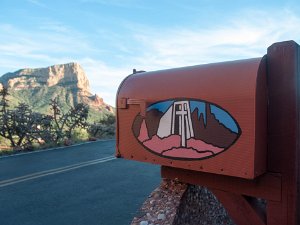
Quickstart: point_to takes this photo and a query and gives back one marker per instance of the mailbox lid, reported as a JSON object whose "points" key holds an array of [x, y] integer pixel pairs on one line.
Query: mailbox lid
{"points": [[229, 99]]}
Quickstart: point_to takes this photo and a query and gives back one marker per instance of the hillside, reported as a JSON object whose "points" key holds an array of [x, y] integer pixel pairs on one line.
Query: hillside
{"points": [[67, 82]]}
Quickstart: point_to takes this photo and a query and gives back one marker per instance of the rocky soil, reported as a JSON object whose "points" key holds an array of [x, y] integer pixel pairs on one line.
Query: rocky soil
{"points": [[162, 204], [176, 203]]}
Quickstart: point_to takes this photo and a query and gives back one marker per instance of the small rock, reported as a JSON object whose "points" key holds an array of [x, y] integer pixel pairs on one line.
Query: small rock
{"points": [[161, 216], [156, 195], [144, 222]]}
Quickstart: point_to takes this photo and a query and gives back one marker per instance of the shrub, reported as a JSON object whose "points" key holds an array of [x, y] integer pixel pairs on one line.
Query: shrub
{"points": [[105, 128], [79, 135]]}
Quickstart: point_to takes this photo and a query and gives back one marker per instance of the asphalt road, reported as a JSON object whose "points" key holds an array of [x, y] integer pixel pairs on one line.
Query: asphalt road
{"points": [[79, 185]]}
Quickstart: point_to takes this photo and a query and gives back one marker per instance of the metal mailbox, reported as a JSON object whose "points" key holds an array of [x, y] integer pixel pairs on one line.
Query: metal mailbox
{"points": [[209, 118]]}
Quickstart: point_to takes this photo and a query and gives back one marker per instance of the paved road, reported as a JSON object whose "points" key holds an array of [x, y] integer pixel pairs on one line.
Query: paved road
{"points": [[79, 185]]}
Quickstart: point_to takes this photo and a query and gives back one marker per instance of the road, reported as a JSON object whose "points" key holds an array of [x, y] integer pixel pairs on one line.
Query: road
{"points": [[78, 185]]}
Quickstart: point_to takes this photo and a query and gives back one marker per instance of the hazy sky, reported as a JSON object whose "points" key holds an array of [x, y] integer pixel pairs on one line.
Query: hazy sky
{"points": [[111, 37]]}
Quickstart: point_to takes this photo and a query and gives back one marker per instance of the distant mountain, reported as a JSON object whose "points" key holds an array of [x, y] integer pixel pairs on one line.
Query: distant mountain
{"points": [[67, 82]]}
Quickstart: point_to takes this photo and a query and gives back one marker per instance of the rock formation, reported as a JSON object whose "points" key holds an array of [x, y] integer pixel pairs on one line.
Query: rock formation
{"points": [[65, 81], [70, 74], [212, 132], [152, 122]]}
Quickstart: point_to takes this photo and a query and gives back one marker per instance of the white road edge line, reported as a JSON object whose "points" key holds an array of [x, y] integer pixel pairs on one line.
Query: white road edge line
{"points": [[54, 171], [56, 148]]}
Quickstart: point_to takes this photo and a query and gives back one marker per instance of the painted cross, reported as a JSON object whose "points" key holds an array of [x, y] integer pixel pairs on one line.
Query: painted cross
{"points": [[181, 121]]}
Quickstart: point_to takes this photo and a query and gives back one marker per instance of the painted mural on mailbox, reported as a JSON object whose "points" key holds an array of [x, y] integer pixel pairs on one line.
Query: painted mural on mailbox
{"points": [[186, 129]]}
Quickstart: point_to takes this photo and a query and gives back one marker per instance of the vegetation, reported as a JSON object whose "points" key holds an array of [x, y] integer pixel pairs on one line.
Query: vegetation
{"points": [[104, 128], [22, 128], [38, 99]]}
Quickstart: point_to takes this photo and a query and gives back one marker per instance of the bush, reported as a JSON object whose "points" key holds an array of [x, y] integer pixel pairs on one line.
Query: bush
{"points": [[23, 129], [6, 151], [79, 135], [105, 128], [4, 142]]}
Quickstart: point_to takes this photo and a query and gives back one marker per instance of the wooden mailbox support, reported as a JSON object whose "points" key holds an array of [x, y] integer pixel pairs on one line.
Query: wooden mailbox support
{"points": [[247, 149], [280, 185]]}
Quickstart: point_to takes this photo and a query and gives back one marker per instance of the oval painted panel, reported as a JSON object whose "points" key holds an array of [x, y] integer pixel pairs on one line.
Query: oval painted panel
{"points": [[186, 129]]}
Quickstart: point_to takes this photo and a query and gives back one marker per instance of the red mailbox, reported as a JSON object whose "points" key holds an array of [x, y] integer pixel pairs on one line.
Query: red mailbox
{"points": [[209, 118], [239, 119]]}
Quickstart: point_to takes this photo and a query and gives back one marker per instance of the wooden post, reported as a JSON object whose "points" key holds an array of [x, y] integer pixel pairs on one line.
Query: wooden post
{"points": [[283, 129]]}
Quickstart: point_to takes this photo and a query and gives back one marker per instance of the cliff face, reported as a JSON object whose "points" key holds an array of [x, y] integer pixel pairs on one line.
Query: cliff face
{"points": [[67, 82], [71, 75]]}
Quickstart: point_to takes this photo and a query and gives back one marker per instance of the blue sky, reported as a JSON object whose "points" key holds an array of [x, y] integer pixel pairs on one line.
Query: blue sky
{"points": [[111, 37]]}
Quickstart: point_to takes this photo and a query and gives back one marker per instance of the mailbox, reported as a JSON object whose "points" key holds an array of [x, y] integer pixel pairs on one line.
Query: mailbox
{"points": [[210, 118]]}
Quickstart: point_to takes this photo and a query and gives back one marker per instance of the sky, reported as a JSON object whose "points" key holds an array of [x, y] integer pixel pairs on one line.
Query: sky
{"points": [[109, 38]]}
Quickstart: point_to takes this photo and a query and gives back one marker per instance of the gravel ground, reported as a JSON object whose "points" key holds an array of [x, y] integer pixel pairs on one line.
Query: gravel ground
{"points": [[176, 203], [161, 206], [200, 207]]}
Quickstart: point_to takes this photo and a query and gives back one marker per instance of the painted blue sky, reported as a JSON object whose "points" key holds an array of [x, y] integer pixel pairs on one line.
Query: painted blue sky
{"points": [[111, 37], [221, 115], [161, 106]]}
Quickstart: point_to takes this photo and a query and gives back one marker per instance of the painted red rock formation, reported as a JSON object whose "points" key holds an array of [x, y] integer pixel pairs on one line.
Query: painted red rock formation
{"points": [[212, 131]]}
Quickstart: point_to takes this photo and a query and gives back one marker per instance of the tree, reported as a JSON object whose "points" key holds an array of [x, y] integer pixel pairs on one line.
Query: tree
{"points": [[21, 126], [5, 121], [65, 123]]}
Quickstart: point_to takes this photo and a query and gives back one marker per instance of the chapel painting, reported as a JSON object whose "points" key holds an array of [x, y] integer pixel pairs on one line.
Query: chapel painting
{"points": [[186, 129]]}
